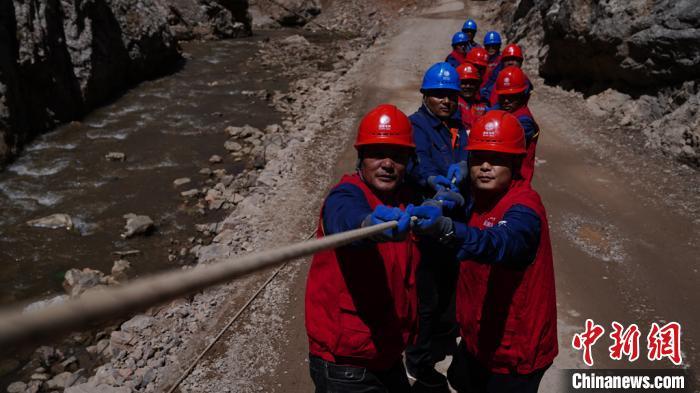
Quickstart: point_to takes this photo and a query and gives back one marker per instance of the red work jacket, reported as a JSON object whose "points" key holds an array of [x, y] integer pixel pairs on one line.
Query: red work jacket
{"points": [[528, 168], [471, 111], [490, 68], [508, 316], [361, 301]]}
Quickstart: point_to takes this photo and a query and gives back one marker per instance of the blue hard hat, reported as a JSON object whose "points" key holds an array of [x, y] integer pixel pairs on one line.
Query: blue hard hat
{"points": [[459, 38], [470, 24], [441, 76], [492, 38]]}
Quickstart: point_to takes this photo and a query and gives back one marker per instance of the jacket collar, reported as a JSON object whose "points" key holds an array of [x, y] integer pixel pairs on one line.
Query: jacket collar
{"points": [[434, 121]]}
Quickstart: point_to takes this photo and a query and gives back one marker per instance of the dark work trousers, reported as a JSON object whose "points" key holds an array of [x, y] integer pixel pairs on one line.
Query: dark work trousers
{"points": [[467, 375], [436, 280], [333, 378]]}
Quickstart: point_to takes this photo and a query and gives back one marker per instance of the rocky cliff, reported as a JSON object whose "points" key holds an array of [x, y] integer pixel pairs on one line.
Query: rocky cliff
{"points": [[646, 51], [61, 58]]}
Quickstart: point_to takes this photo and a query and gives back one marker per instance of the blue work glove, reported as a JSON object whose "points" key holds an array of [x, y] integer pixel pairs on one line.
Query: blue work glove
{"points": [[440, 182], [382, 214], [449, 199], [430, 221], [458, 173]]}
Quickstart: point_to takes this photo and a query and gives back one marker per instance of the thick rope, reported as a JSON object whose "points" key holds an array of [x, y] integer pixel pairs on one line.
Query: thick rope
{"points": [[17, 326]]}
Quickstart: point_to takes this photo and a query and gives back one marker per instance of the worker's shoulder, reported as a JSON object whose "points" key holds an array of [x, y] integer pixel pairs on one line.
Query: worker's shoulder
{"points": [[421, 120], [527, 196], [347, 186]]}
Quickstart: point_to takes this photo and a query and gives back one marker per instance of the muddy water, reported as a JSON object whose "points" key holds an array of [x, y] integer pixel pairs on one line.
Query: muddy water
{"points": [[168, 128]]}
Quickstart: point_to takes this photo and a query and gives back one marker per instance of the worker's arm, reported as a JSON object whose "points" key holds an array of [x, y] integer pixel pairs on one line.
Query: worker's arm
{"points": [[512, 241], [529, 126], [346, 208]]}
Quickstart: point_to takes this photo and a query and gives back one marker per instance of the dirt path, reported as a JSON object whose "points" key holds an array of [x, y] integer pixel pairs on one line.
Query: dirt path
{"points": [[624, 225]]}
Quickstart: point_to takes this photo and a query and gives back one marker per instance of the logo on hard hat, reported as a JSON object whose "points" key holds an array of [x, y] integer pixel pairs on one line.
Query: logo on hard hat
{"points": [[506, 81], [446, 73], [490, 129], [385, 122]]}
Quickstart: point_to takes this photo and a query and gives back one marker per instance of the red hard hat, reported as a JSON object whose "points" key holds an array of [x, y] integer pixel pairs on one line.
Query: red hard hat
{"points": [[478, 56], [385, 125], [497, 131], [512, 50], [468, 71], [511, 80]]}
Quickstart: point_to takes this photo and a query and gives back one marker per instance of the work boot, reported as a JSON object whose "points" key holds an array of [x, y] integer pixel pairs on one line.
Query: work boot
{"points": [[428, 377]]}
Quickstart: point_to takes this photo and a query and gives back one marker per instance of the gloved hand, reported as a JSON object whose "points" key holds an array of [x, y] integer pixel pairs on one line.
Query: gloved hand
{"points": [[458, 172], [440, 183], [449, 199], [430, 221], [382, 214]]}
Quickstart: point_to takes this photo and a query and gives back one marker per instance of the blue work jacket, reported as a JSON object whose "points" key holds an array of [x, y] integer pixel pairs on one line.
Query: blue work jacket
{"points": [[434, 145]]}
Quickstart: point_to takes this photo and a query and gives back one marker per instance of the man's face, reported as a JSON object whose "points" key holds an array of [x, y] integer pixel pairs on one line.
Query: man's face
{"points": [[443, 103], [481, 70], [491, 172], [470, 34], [492, 49], [469, 88], [511, 102], [383, 166], [512, 62], [461, 48]]}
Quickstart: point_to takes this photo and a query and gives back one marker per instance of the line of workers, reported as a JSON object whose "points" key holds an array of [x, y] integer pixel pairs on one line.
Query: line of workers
{"points": [[471, 253]]}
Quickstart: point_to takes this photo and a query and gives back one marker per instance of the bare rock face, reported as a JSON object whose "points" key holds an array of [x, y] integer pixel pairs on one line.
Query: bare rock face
{"points": [[286, 12], [648, 50], [61, 58], [633, 43], [209, 19]]}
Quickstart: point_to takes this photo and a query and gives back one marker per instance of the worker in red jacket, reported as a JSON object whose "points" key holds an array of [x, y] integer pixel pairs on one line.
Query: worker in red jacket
{"points": [[361, 301], [479, 57], [471, 105], [512, 87], [512, 56], [506, 305]]}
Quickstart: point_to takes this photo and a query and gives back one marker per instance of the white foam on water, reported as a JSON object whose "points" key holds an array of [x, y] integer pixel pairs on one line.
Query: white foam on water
{"points": [[166, 163], [119, 135], [84, 227], [24, 167], [24, 198], [126, 110], [51, 145], [100, 124]]}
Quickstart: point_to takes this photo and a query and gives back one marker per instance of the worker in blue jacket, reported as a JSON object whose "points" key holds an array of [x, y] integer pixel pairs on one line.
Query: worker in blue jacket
{"points": [[441, 171], [469, 28]]}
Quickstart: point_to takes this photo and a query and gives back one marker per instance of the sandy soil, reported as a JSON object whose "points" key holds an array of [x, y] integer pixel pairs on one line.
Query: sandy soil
{"points": [[624, 222]]}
